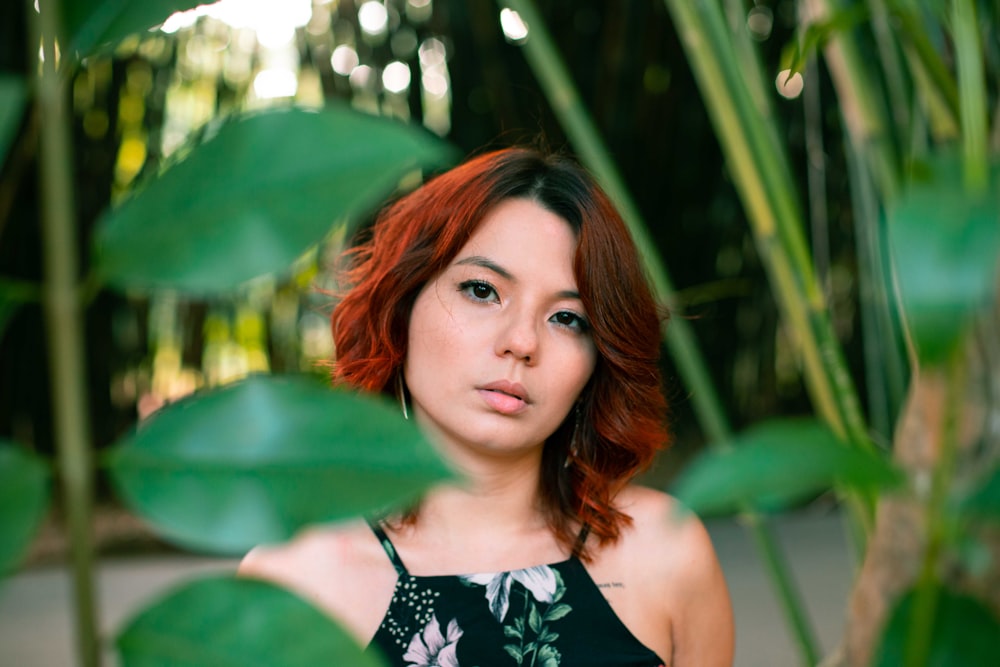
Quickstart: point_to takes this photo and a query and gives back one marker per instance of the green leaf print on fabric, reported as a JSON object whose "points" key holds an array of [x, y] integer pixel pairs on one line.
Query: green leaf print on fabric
{"points": [[542, 589]]}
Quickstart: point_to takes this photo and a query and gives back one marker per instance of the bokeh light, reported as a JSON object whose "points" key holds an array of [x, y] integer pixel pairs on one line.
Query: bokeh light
{"points": [[514, 29], [789, 85]]}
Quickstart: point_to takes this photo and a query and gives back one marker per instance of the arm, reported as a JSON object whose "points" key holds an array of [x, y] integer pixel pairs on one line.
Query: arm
{"points": [[703, 626]]}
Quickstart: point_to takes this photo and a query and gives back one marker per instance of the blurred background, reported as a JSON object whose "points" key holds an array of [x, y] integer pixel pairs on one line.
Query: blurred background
{"points": [[458, 69]]}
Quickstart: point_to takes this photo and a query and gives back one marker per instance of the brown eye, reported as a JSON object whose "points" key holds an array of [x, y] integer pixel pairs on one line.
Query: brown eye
{"points": [[478, 290]]}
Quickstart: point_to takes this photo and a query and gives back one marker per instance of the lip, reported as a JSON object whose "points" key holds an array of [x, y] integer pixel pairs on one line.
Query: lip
{"points": [[505, 397]]}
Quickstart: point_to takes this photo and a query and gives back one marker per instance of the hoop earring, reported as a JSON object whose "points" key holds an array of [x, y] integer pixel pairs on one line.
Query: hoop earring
{"points": [[574, 439], [401, 394]]}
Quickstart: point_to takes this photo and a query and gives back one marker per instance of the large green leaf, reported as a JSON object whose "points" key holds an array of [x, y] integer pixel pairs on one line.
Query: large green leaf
{"points": [[254, 461], [90, 25], [256, 195], [964, 632], [13, 95], [945, 244], [222, 621], [24, 499], [776, 463]]}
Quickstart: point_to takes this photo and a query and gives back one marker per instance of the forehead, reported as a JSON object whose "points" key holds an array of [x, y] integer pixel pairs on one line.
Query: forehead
{"points": [[525, 232]]}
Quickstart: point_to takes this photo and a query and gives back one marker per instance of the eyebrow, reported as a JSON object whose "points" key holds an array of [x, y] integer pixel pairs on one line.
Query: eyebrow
{"points": [[483, 262]]}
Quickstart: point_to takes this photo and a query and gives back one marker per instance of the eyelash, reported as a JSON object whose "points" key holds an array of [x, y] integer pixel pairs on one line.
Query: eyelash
{"points": [[577, 322]]}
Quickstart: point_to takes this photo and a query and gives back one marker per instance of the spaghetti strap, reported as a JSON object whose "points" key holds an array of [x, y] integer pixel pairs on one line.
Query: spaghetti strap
{"points": [[387, 545]]}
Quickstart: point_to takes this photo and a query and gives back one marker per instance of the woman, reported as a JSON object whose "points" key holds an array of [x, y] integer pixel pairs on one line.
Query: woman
{"points": [[504, 305]]}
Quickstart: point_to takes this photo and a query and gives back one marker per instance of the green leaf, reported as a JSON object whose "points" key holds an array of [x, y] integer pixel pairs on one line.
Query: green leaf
{"points": [[223, 621], [24, 500], [253, 462], [255, 196], [797, 53], [945, 244], [557, 611], [776, 463], [984, 502], [964, 633], [13, 95], [91, 25]]}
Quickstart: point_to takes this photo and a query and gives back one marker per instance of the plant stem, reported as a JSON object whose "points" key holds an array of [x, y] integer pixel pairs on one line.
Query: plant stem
{"points": [[65, 327], [925, 600], [791, 601], [545, 62], [972, 94]]}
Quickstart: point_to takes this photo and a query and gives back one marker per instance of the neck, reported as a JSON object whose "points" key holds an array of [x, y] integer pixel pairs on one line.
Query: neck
{"points": [[502, 496]]}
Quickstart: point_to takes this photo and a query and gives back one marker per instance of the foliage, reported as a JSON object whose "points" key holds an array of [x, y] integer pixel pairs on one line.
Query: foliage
{"points": [[928, 199], [257, 190], [24, 497], [221, 621], [229, 468]]}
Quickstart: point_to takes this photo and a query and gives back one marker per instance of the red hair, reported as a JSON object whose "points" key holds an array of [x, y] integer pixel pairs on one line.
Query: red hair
{"points": [[621, 417]]}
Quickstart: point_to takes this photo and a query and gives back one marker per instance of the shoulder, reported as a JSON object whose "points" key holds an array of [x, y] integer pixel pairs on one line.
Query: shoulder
{"points": [[663, 532], [333, 567], [686, 583]]}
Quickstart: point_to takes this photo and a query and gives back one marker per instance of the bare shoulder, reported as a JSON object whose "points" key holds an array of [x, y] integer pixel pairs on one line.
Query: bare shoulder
{"points": [[663, 532], [342, 569], [686, 582]]}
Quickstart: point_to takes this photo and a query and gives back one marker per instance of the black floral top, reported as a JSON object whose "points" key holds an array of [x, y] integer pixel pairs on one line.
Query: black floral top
{"points": [[541, 616]]}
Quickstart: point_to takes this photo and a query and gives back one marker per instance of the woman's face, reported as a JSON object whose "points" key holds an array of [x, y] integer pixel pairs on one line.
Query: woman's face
{"points": [[499, 345]]}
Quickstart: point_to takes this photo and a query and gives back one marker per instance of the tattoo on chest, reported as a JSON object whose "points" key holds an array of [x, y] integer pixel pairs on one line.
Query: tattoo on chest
{"points": [[610, 584]]}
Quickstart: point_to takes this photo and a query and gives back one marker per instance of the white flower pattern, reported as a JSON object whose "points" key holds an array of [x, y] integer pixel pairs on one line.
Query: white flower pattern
{"points": [[431, 648], [539, 580]]}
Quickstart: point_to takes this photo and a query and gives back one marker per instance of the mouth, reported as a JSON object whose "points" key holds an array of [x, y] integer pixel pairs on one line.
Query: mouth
{"points": [[507, 398], [503, 387]]}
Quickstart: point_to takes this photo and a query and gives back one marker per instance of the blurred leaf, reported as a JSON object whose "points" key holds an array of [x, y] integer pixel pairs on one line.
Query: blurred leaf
{"points": [[253, 462], [256, 195], [945, 244], [24, 500], [797, 53], [984, 502], [13, 95], [775, 463], [93, 24], [12, 294], [224, 621], [965, 633]]}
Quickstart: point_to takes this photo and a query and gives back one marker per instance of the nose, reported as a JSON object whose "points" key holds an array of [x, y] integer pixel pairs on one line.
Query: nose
{"points": [[519, 338]]}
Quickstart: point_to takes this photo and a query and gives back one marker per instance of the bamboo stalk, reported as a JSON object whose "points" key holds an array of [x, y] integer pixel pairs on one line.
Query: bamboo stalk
{"points": [[547, 65], [65, 328], [758, 169], [972, 94]]}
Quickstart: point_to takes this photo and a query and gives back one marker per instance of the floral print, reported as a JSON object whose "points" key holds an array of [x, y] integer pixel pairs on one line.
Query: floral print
{"points": [[431, 648], [543, 616], [540, 581], [530, 633]]}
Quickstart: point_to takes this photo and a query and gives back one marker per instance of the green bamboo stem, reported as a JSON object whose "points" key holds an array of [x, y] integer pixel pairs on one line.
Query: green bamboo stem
{"points": [[777, 566], [934, 73], [892, 67], [865, 116], [547, 65], [972, 94], [757, 167], [65, 329], [885, 365]]}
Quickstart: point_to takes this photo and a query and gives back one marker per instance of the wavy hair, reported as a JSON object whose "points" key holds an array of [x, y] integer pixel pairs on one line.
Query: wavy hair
{"points": [[620, 420]]}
